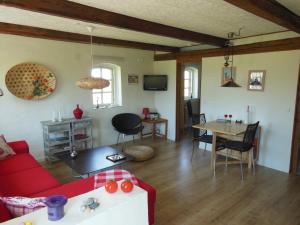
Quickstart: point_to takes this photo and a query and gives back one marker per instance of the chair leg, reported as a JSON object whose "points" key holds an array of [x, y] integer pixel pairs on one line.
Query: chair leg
{"points": [[204, 151], [118, 138], [193, 150], [241, 164], [253, 162], [123, 143], [215, 161], [226, 160]]}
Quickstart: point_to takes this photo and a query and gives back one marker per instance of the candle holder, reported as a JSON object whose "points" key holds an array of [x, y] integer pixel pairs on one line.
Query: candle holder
{"points": [[230, 116], [55, 204]]}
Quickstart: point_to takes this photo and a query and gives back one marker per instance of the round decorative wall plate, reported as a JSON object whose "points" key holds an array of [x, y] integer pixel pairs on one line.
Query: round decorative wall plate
{"points": [[30, 81]]}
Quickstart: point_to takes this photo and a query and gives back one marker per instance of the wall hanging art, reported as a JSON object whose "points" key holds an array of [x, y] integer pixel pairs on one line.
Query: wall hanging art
{"points": [[30, 81]]}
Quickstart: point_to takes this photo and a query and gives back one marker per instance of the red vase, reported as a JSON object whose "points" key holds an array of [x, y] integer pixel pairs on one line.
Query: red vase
{"points": [[78, 112]]}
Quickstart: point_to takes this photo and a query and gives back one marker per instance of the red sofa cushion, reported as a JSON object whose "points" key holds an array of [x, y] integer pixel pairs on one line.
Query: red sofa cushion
{"points": [[27, 182], [72, 189], [19, 146], [16, 163]]}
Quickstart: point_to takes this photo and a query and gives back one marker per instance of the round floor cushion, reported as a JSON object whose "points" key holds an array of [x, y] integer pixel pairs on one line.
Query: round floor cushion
{"points": [[140, 152]]}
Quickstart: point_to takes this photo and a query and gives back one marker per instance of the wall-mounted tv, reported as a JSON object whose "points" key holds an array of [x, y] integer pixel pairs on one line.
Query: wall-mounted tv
{"points": [[155, 82]]}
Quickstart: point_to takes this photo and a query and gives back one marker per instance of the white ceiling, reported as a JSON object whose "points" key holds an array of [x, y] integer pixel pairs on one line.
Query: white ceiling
{"points": [[214, 17], [293, 5], [23, 17]]}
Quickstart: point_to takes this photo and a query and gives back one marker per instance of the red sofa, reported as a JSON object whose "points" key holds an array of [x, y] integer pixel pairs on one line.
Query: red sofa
{"points": [[22, 175]]}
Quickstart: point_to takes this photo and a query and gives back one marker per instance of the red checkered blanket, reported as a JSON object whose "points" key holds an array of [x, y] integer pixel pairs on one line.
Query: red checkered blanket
{"points": [[114, 174]]}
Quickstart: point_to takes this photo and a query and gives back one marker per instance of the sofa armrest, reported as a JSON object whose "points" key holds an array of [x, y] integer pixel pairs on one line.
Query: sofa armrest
{"points": [[151, 199], [19, 146]]}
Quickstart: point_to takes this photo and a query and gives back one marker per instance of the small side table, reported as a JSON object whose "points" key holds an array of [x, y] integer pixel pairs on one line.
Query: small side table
{"points": [[154, 122]]}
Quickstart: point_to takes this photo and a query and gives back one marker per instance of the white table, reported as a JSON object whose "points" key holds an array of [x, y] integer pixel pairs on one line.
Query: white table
{"points": [[115, 209]]}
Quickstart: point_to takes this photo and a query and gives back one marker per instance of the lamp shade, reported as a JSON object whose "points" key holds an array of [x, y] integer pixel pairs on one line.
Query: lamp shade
{"points": [[92, 83], [230, 83]]}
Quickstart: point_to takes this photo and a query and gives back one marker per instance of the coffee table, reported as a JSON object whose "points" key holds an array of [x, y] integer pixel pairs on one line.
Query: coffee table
{"points": [[93, 160]]}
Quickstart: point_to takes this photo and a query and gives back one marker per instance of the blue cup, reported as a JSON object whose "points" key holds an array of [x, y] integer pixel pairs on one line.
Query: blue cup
{"points": [[55, 204]]}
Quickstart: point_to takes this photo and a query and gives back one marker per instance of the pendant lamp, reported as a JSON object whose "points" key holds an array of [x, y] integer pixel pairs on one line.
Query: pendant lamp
{"points": [[228, 56], [90, 82]]}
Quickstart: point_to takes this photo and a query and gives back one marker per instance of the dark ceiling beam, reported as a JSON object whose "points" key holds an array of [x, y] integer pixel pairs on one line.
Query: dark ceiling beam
{"points": [[267, 46], [35, 32], [270, 10], [76, 11]]}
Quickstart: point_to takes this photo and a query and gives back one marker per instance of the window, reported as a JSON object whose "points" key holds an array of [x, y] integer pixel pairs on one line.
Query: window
{"points": [[109, 96], [188, 83], [191, 82]]}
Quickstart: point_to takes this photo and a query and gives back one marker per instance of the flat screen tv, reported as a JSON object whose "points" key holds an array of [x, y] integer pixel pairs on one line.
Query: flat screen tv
{"points": [[155, 82]]}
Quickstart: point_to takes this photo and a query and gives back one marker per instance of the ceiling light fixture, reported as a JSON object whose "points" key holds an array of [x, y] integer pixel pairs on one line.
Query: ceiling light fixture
{"points": [[228, 56], [90, 82]]}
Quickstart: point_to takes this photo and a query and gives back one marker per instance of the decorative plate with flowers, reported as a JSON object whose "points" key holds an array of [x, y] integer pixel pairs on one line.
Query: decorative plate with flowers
{"points": [[30, 81]]}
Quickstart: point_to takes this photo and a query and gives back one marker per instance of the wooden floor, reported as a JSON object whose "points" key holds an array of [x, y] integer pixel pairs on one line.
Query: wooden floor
{"points": [[188, 194]]}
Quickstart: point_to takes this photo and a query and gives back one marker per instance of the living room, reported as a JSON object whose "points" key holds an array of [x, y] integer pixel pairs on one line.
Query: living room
{"points": [[269, 47]]}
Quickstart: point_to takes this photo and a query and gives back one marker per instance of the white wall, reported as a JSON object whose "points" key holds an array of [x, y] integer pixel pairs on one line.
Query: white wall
{"points": [[165, 101], [274, 107], [20, 119]]}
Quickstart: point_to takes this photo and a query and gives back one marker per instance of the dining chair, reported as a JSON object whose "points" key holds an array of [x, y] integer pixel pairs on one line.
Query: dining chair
{"points": [[200, 135], [192, 105], [242, 146]]}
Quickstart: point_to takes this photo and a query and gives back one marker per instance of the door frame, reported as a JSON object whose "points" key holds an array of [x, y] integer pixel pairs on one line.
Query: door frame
{"points": [[180, 64], [296, 132]]}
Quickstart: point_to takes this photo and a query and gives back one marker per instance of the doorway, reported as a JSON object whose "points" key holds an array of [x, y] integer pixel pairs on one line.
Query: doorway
{"points": [[191, 95], [295, 154], [188, 89]]}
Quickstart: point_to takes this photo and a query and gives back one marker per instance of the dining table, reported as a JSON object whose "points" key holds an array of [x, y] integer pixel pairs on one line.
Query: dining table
{"points": [[230, 130]]}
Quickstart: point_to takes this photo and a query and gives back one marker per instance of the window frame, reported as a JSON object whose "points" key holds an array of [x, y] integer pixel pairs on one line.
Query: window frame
{"points": [[190, 88], [101, 91]]}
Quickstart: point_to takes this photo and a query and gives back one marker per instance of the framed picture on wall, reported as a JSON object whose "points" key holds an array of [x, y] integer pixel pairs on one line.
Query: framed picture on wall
{"points": [[256, 80], [133, 79], [227, 73]]}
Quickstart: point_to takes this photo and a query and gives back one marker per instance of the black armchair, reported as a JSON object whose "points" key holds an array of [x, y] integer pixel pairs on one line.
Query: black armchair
{"points": [[127, 124]]}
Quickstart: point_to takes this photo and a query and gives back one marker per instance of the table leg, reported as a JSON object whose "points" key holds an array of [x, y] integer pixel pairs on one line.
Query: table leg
{"points": [[250, 158], [213, 149], [153, 131], [166, 130]]}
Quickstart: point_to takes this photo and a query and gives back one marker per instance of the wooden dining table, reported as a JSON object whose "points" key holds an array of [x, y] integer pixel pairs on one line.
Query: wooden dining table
{"points": [[221, 128]]}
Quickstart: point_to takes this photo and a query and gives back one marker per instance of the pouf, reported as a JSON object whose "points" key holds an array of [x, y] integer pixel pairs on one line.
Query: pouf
{"points": [[140, 152]]}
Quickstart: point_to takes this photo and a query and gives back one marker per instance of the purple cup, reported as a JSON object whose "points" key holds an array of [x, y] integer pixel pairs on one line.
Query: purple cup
{"points": [[55, 205]]}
